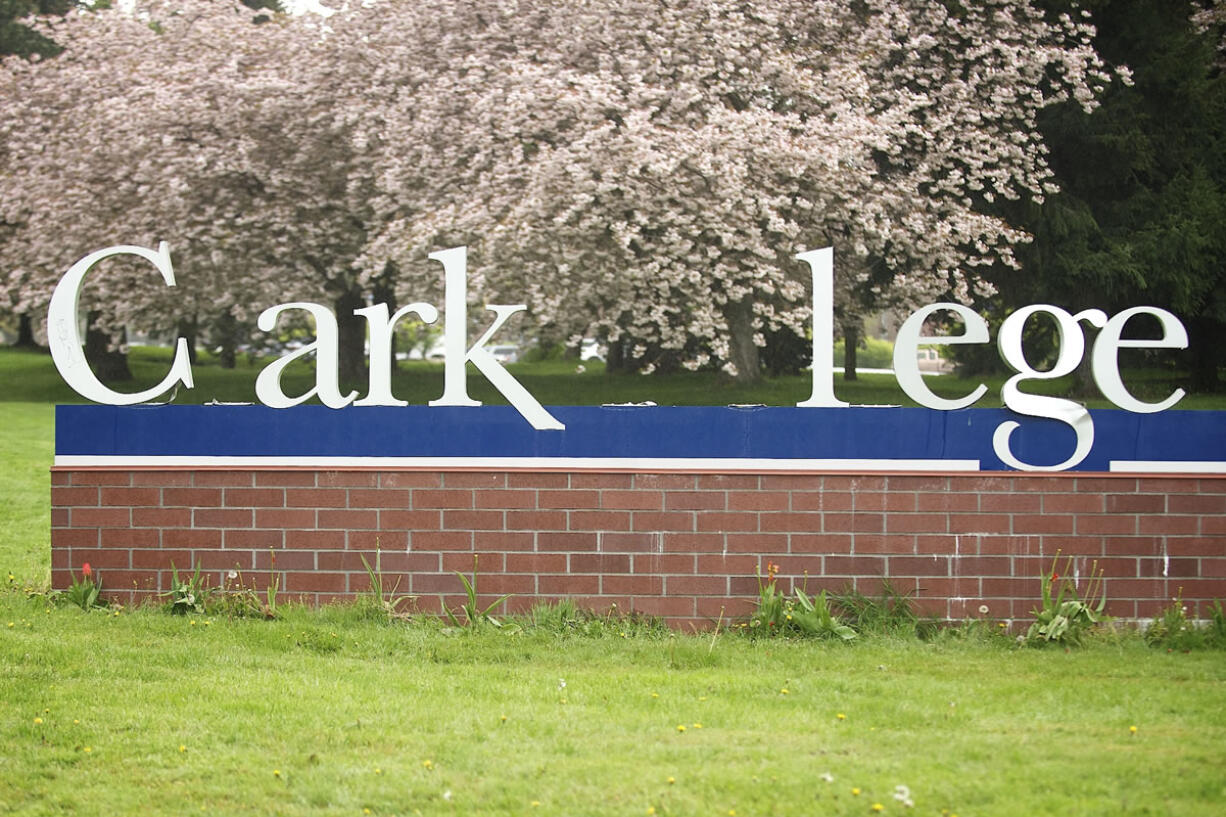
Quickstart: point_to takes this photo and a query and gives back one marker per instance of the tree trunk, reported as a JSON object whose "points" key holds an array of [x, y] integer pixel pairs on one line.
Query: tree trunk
{"points": [[109, 365], [851, 344], [383, 293], [1204, 341], [25, 332], [351, 330], [188, 329], [744, 353], [226, 327], [615, 359]]}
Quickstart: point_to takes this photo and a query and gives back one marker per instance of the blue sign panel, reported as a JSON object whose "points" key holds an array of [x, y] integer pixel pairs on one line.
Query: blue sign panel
{"points": [[627, 438]]}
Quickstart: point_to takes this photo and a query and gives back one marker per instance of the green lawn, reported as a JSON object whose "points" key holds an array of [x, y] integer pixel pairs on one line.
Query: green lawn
{"points": [[339, 712]]}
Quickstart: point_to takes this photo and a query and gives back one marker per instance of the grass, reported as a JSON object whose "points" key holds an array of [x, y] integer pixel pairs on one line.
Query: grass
{"points": [[328, 712], [338, 712]]}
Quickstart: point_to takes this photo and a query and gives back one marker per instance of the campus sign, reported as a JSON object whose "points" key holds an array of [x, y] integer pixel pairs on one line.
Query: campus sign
{"points": [[1061, 436]]}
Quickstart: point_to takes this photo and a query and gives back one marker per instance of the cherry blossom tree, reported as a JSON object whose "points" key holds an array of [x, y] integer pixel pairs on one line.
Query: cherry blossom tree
{"points": [[642, 169]]}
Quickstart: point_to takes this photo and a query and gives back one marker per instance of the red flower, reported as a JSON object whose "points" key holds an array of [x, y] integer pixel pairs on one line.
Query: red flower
{"points": [[1054, 575], [86, 570]]}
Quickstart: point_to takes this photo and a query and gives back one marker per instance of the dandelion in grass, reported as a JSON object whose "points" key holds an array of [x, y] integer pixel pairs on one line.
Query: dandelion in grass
{"points": [[88, 749], [784, 691], [37, 721], [672, 780], [276, 772], [427, 764], [855, 791], [681, 727], [651, 809], [182, 748], [536, 803], [378, 771], [655, 695], [1132, 730], [826, 777], [878, 807], [841, 716]]}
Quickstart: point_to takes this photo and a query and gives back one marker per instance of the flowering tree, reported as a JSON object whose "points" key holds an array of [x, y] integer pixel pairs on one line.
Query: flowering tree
{"points": [[643, 169]]}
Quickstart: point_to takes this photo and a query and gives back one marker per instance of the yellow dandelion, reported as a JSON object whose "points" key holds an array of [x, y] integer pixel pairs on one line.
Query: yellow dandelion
{"points": [[378, 771], [182, 748], [38, 720], [88, 750], [731, 812], [655, 695], [75, 721], [10, 624], [366, 811], [504, 718], [651, 809], [841, 716], [855, 792], [698, 726], [429, 764], [672, 780], [1132, 730], [681, 727], [193, 622], [878, 807], [535, 803], [702, 697], [783, 691]]}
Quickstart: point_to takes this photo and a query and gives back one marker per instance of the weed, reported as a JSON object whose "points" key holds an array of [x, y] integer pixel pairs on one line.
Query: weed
{"points": [[892, 612], [798, 614], [1065, 617], [474, 615], [1173, 629], [187, 595], [385, 604]]}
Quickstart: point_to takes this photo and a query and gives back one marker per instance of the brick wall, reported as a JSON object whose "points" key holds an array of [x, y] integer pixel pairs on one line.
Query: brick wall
{"points": [[682, 546]]}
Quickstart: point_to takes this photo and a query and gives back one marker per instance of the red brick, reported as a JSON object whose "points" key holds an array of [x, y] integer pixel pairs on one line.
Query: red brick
{"points": [[504, 499], [728, 482], [855, 565], [536, 562], [696, 585], [1209, 484], [663, 521], [868, 501], [982, 566], [441, 540], [1044, 523], [666, 606], [547, 541], [410, 479], [537, 480], [1135, 503], [159, 559], [59, 517], [1073, 503], [536, 520], [694, 500], [101, 517], [484, 540], [951, 502], [599, 563], [388, 541], [316, 582], [568, 585], [1116, 524], [349, 520], [916, 523], [632, 585], [1003, 545], [919, 566], [129, 537], [1196, 504], [632, 500], [720, 521], [599, 520], [220, 560], [120, 478], [917, 483], [759, 501], [994, 587], [410, 520], [63, 495], [60, 476], [259, 539], [221, 478], [853, 522], [755, 543], [1011, 503], [821, 501], [1209, 525], [161, 517], [316, 498], [285, 518], [470, 563], [107, 560], [380, 498], [665, 564], [1160, 485], [568, 500], [801, 482], [900, 502], [820, 542], [474, 479], [192, 497], [790, 522], [617, 482], [1196, 546], [473, 520], [222, 517], [162, 479], [614, 542], [665, 482], [191, 538], [876, 543], [1170, 525], [285, 479], [731, 565], [254, 497], [315, 539]]}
